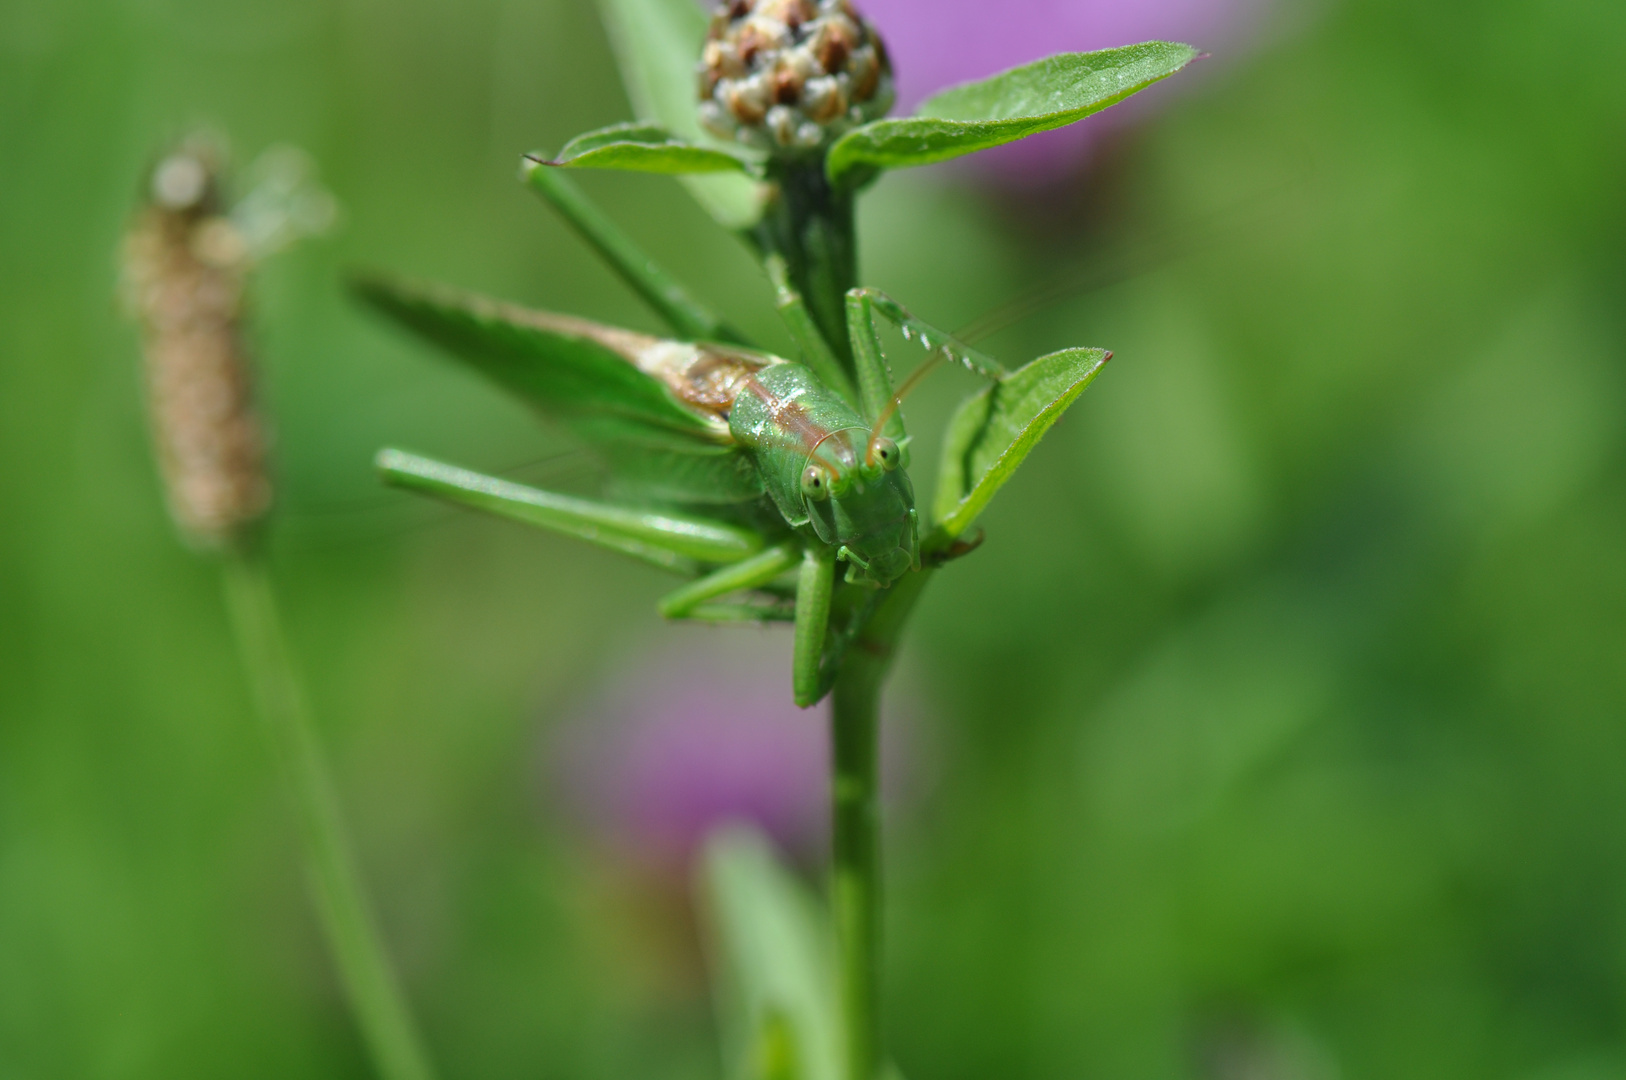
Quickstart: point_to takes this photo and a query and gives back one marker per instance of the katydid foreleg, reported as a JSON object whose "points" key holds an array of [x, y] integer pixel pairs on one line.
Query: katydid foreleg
{"points": [[814, 588], [874, 381], [743, 614], [816, 651], [752, 573]]}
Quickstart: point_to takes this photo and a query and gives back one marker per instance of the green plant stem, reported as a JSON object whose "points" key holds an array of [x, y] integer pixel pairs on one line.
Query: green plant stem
{"points": [[810, 224], [856, 874], [856, 826], [364, 969]]}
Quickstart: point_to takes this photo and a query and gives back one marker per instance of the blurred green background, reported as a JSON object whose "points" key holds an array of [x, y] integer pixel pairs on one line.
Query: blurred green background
{"points": [[1278, 730]]}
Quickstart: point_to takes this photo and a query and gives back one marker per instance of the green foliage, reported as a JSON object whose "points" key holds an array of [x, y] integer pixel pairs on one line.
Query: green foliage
{"points": [[657, 41], [1049, 93], [771, 950], [839, 498]]}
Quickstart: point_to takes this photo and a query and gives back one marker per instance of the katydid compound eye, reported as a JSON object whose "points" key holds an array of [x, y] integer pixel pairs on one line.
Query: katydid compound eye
{"points": [[816, 482], [886, 454]]}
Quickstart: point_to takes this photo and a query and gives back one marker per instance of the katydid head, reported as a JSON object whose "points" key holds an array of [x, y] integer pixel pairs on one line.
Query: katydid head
{"points": [[860, 501]]}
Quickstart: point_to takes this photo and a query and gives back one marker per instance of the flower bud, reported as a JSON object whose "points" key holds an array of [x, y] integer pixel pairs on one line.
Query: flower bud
{"points": [[184, 269], [791, 76]]}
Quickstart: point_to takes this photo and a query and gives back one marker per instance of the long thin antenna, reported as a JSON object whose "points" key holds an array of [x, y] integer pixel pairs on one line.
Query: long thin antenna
{"points": [[1161, 250], [915, 378]]}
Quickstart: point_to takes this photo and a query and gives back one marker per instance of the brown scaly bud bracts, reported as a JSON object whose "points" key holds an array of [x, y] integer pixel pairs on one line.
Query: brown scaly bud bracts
{"points": [[184, 268], [790, 76]]}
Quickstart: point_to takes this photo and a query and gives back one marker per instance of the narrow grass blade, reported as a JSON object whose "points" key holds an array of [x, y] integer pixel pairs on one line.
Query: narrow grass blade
{"points": [[364, 968], [770, 952], [688, 317]]}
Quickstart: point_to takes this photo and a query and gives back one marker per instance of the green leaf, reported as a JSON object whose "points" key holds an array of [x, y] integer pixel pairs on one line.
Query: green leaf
{"points": [[770, 955], [639, 147], [993, 431], [657, 45], [1023, 101]]}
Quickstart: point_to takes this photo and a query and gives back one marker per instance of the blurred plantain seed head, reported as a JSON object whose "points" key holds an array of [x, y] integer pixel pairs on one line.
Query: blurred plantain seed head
{"points": [[185, 264]]}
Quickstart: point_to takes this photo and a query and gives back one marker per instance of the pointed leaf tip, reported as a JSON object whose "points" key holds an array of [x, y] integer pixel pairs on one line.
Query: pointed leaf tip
{"points": [[640, 147]]}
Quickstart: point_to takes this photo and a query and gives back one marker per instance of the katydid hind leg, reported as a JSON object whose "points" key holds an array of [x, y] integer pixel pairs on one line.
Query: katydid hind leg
{"points": [[687, 316], [674, 541]]}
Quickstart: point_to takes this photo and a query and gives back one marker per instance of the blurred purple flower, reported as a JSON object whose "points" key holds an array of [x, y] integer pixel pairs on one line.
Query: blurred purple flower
{"points": [[937, 43], [701, 733]]}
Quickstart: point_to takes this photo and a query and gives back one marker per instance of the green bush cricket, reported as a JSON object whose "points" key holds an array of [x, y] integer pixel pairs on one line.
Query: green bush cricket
{"points": [[743, 466], [711, 425]]}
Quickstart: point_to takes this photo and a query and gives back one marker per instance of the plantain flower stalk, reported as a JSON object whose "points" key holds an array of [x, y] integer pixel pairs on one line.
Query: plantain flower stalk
{"points": [[186, 265]]}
